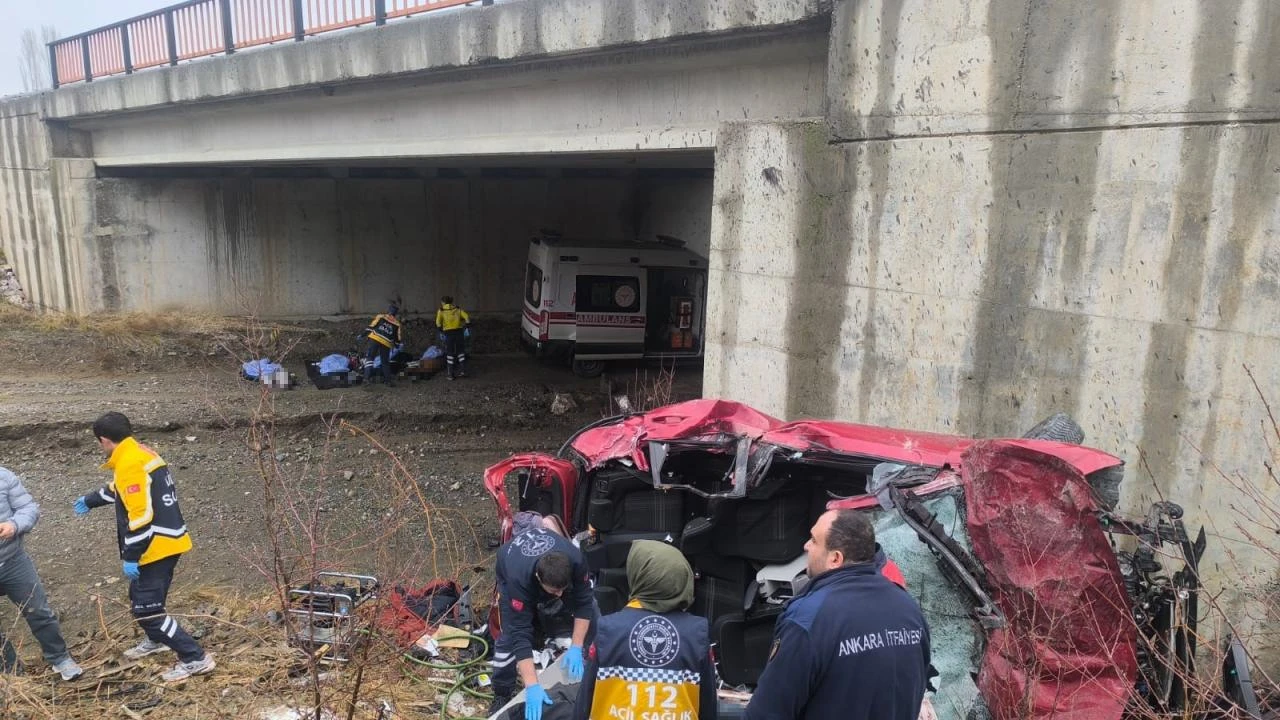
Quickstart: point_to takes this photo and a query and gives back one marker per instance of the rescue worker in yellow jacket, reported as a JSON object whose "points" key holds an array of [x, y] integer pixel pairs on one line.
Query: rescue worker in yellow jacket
{"points": [[152, 536], [384, 334], [454, 322]]}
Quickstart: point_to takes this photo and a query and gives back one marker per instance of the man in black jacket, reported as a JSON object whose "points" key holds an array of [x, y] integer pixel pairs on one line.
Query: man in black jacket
{"points": [[542, 580], [853, 645]]}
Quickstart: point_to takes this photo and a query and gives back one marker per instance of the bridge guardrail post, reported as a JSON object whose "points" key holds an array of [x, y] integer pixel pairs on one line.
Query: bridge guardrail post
{"points": [[84, 54], [171, 38], [228, 27], [299, 22], [379, 12], [126, 50], [53, 63]]}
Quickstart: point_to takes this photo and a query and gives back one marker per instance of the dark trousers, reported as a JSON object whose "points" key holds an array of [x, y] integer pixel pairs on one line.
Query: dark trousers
{"points": [[20, 583], [560, 624], [147, 595], [378, 350], [455, 351]]}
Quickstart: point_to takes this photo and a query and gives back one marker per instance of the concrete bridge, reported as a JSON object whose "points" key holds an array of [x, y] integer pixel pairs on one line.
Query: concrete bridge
{"points": [[958, 215]]}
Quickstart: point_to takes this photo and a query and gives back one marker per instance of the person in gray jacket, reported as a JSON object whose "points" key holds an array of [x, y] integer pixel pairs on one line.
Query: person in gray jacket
{"points": [[18, 579]]}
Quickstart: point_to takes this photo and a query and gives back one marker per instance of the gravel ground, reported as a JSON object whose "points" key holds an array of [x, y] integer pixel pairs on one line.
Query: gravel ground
{"points": [[186, 401]]}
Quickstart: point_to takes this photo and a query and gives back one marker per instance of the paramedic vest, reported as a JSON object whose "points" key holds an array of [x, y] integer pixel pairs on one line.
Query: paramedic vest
{"points": [[385, 330], [650, 666], [149, 524]]}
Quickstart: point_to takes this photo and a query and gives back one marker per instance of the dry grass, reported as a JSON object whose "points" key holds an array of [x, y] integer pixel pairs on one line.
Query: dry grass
{"points": [[257, 671], [116, 339]]}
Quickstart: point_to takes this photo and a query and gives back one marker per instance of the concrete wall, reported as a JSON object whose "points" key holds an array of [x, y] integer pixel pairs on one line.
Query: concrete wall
{"points": [[292, 246], [510, 33], [651, 99], [42, 205], [675, 206], [1020, 207]]}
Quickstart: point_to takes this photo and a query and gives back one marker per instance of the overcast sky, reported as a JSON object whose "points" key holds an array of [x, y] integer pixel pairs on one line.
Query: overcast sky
{"points": [[69, 17]]}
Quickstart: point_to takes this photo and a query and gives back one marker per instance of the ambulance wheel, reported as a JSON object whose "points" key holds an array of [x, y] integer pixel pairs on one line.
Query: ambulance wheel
{"points": [[588, 368]]}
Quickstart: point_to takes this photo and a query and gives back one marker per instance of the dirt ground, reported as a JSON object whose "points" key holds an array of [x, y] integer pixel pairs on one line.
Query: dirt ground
{"points": [[177, 380]]}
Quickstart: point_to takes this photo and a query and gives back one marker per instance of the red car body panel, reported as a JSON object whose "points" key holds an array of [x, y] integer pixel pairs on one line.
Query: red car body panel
{"points": [[1069, 650], [1069, 647]]}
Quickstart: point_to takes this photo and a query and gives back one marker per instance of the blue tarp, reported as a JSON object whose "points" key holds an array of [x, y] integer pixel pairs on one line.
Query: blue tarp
{"points": [[255, 368], [332, 364]]}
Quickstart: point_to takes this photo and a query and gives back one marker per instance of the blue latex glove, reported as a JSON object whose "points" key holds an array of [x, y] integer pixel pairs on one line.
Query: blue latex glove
{"points": [[572, 663], [131, 570], [534, 698], [80, 507], [466, 333]]}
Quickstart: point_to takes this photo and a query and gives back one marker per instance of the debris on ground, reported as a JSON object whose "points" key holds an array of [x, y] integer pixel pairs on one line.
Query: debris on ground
{"points": [[259, 675], [563, 403], [11, 290]]}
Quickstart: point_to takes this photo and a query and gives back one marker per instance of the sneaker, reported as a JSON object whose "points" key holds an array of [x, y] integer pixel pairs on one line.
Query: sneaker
{"points": [[68, 669], [143, 649], [184, 670]]}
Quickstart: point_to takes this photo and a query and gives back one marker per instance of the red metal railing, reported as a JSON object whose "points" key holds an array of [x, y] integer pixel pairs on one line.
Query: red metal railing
{"points": [[402, 8], [203, 28], [259, 22], [198, 26], [149, 41], [326, 15]]}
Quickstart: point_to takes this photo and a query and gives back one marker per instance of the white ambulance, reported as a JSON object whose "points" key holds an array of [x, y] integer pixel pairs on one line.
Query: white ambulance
{"points": [[592, 302]]}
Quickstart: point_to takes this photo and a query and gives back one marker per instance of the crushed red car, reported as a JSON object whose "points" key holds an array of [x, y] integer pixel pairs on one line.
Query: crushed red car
{"points": [[1006, 543]]}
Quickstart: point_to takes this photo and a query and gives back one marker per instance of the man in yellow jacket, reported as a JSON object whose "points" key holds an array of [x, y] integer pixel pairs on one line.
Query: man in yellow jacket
{"points": [[152, 536], [454, 322]]}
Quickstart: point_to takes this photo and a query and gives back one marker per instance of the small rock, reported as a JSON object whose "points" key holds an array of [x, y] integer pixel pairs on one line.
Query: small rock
{"points": [[347, 475], [455, 486], [191, 438], [112, 580]]}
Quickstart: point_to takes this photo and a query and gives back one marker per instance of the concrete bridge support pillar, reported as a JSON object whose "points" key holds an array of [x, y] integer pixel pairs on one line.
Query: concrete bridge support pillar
{"points": [[1017, 207]]}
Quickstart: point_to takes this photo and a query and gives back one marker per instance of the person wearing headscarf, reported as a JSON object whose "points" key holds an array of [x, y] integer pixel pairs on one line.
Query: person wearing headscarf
{"points": [[652, 658]]}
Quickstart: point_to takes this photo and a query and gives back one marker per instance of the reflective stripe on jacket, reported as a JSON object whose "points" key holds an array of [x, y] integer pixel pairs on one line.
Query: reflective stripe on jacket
{"points": [[149, 524], [649, 665], [385, 330]]}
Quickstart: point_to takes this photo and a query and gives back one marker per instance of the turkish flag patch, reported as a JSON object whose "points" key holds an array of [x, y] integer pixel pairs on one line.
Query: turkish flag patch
{"points": [[133, 489], [519, 606]]}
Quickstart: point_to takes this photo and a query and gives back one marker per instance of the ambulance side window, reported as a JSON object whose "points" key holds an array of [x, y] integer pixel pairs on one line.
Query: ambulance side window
{"points": [[608, 293], [533, 285]]}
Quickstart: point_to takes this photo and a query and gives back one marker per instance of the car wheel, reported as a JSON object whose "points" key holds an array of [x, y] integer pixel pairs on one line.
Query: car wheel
{"points": [[588, 368], [1061, 428], [1058, 427]]}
